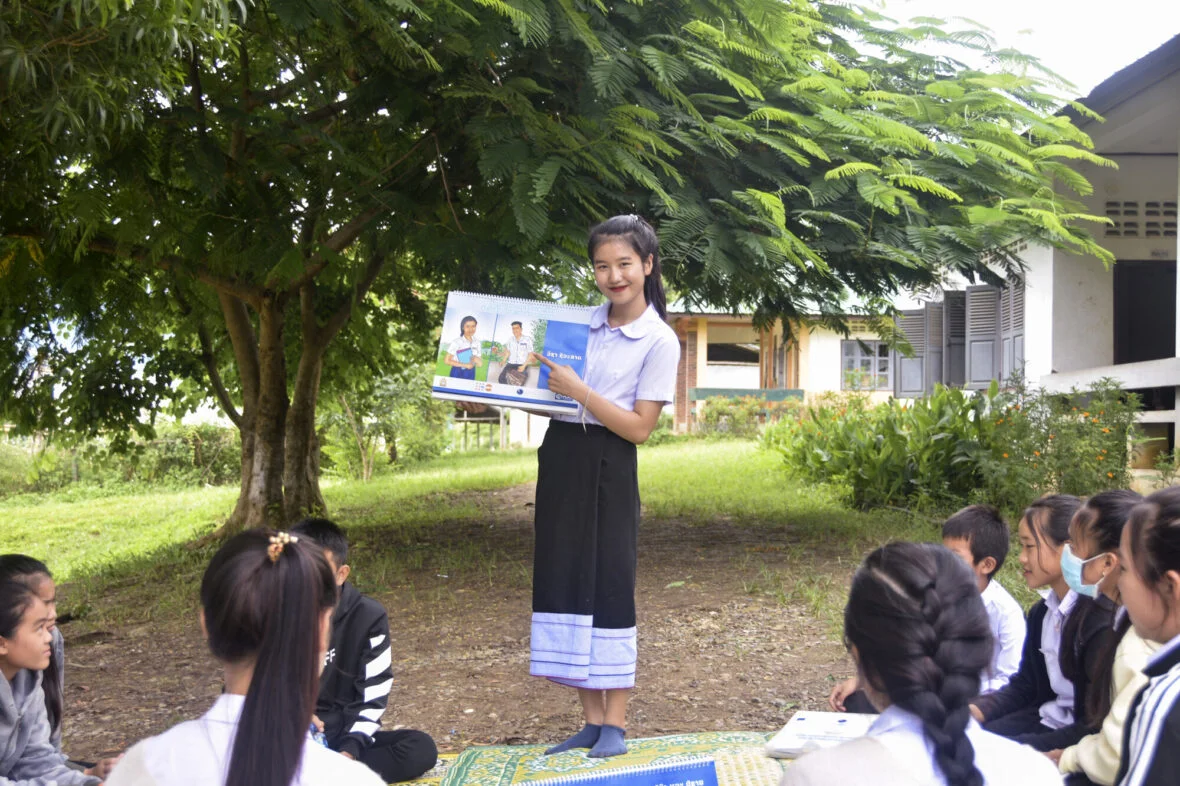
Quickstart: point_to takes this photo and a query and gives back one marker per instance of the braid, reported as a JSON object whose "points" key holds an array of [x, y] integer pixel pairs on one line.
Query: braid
{"points": [[923, 638]]}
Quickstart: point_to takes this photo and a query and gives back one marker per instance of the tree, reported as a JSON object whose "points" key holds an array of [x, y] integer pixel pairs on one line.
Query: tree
{"points": [[328, 161]]}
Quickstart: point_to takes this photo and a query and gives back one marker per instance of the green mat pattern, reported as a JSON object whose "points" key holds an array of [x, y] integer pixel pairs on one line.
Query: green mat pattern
{"points": [[505, 765]]}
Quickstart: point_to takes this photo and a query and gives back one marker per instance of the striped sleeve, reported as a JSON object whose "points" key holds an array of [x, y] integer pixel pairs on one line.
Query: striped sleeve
{"points": [[374, 678], [1154, 756]]}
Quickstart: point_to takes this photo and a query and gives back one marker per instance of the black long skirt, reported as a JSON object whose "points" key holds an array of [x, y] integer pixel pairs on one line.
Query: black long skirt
{"points": [[584, 558]]}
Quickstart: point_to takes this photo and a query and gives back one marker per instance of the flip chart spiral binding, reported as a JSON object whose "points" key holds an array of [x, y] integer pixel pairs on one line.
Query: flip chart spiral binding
{"points": [[673, 772]]}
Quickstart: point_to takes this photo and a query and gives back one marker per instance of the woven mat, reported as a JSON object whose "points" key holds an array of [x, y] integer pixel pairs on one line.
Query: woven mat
{"points": [[435, 776], [739, 756]]}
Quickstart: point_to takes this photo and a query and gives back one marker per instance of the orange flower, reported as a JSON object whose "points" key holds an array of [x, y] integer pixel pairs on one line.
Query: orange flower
{"points": [[998, 422], [1036, 452], [1051, 436], [1104, 450], [1005, 455], [1110, 474], [1105, 431], [1085, 414], [1100, 457]]}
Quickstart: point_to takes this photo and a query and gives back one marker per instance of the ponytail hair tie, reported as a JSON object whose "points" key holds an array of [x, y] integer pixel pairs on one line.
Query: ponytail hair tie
{"points": [[277, 542]]}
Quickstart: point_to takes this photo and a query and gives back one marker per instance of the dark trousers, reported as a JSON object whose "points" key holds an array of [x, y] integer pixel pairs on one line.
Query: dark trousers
{"points": [[400, 755], [1023, 726], [857, 701]]}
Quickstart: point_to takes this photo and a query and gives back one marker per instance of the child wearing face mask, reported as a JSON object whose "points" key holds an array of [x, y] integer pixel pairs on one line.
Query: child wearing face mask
{"points": [[1091, 564], [1043, 705]]}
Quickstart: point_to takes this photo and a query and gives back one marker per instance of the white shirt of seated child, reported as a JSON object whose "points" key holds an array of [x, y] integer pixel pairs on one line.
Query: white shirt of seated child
{"points": [[196, 753], [896, 751], [1008, 629], [1056, 713]]}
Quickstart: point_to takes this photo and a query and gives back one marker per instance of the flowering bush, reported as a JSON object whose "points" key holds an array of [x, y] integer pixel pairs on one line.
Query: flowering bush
{"points": [[743, 416], [954, 447]]}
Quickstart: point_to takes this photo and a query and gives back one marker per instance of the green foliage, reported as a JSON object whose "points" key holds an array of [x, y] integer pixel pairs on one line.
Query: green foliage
{"points": [[174, 456], [742, 417], [952, 448]]}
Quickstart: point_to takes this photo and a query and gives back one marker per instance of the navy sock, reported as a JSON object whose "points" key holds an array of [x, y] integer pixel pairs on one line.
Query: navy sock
{"points": [[610, 743], [583, 739]]}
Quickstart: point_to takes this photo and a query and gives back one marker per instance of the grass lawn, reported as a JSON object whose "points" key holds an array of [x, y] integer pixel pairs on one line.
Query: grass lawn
{"points": [[100, 543]]}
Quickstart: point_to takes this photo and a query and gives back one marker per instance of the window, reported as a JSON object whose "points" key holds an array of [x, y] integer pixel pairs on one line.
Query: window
{"points": [[865, 365]]}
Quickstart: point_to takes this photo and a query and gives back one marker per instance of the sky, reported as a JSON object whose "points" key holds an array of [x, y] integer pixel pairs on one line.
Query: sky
{"points": [[1085, 42]]}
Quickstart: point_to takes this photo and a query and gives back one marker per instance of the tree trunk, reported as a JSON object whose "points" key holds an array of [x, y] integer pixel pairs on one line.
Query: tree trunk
{"points": [[264, 419]]}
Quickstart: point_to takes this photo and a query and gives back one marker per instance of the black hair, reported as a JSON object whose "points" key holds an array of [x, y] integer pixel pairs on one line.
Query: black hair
{"points": [[463, 323], [1100, 519], [922, 637], [985, 531], [1050, 516], [325, 534], [15, 599], [27, 570], [268, 611], [1154, 538], [514, 324], [646, 244]]}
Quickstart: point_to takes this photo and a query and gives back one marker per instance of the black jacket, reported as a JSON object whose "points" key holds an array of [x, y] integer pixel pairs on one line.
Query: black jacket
{"points": [[358, 672], [1151, 744], [1030, 687]]}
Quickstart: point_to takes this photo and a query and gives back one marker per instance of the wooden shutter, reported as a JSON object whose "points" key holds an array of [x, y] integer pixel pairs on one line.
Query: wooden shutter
{"points": [[954, 331], [983, 336], [1012, 329], [935, 332], [909, 373]]}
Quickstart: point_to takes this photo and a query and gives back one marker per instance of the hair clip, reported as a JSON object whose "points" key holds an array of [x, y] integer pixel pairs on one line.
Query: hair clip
{"points": [[277, 542]]}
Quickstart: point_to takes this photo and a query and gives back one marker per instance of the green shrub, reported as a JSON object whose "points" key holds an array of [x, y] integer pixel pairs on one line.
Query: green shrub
{"points": [[954, 447], [743, 416]]}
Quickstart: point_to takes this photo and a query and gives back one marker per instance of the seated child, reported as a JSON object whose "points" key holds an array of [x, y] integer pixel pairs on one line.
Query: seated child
{"points": [[1149, 586], [1091, 565], [917, 630], [26, 645], [979, 535], [354, 687], [266, 611], [1043, 705], [33, 574]]}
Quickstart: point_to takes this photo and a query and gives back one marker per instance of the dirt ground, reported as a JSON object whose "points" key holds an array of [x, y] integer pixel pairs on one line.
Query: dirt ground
{"points": [[717, 649]]}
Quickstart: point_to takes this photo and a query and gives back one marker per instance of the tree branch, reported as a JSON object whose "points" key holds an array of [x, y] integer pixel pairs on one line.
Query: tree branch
{"points": [[175, 264], [245, 344], [209, 359], [337, 241], [341, 316], [442, 170]]}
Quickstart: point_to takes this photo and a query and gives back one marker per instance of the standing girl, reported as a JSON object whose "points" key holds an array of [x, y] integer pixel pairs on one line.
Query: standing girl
{"points": [[587, 512], [1149, 584], [1090, 564], [26, 644], [919, 634], [266, 610], [35, 575], [464, 352], [1043, 705]]}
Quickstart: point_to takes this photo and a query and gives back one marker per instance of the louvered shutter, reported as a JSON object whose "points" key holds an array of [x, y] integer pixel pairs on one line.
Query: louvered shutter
{"points": [[909, 373], [983, 336], [954, 331], [934, 345], [1012, 328]]}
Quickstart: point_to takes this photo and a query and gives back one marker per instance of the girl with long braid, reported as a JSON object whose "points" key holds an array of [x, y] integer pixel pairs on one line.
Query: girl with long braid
{"points": [[919, 634]]}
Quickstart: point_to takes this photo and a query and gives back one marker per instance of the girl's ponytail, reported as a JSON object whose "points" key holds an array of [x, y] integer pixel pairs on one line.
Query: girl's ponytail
{"points": [[645, 242], [29, 571], [922, 638], [263, 596]]}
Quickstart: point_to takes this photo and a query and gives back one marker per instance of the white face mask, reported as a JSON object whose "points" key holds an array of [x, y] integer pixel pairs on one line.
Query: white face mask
{"points": [[1072, 568]]}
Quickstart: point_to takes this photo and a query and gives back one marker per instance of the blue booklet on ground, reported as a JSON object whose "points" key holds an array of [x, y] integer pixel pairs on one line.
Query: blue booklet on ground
{"points": [[673, 772], [489, 350]]}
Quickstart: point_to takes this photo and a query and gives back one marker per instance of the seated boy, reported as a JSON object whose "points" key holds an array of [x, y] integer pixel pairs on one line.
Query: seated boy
{"points": [[980, 537], [358, 673]]}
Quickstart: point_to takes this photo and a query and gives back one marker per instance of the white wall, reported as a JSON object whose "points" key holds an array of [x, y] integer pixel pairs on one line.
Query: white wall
{"points": [[731, 375], [1038, 311], [820, 366], [1083, 313]]}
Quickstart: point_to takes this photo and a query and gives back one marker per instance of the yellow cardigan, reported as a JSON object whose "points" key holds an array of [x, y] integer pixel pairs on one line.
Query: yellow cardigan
{"points": [[1097, 755]]}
